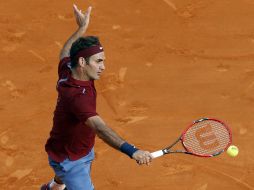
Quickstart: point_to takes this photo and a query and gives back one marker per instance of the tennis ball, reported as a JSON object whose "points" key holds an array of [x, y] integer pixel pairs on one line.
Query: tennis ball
{"points": [[232, 151]]}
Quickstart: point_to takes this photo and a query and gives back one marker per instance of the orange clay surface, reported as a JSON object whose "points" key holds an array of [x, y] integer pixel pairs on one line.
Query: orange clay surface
{"points": [[169, 62]]}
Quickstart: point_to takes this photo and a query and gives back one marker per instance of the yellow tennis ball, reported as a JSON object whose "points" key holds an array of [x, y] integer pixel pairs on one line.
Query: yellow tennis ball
{"points": [[232, 151]]}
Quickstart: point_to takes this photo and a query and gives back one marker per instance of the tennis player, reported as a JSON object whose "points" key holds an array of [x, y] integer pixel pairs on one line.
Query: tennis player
{"points": [[70, 147]]}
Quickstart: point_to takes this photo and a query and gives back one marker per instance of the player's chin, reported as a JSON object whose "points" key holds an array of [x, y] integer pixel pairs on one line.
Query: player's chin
{"points": [[97, 77]]}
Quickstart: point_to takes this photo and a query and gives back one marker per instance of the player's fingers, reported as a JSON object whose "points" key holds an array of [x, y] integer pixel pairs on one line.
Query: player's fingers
{"points": [[148, 156], [74, 7], [76, 10], [139, 162], [148, 160], [87, 13], [89, 10], [144, 160]]}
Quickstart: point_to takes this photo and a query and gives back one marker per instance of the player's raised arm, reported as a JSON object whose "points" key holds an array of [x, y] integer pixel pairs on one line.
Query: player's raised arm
{"points": [[82, 20], [114, 140]]}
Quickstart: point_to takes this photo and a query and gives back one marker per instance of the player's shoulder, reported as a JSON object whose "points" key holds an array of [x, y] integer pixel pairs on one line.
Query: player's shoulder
{"points": [[64, 65]]}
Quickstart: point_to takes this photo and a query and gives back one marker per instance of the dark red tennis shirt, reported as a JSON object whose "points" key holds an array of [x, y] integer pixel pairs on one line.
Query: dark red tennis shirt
{"points": [[70, 137]]}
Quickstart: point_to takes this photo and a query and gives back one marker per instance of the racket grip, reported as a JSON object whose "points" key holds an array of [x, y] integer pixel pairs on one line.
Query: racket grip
{"points": [[157, 154]]}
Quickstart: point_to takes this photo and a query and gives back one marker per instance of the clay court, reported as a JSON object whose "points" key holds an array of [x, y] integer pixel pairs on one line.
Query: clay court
{"points": [[169, 62]]}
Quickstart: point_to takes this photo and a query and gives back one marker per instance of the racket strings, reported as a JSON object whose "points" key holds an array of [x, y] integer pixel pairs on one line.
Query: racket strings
{"points": [[207, 137]]}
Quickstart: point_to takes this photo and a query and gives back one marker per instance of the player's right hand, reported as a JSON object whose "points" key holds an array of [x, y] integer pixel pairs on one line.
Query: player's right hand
{"points": [[142, 157]]}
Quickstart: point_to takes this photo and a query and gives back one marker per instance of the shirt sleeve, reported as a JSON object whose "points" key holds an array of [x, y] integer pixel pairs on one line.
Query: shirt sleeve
{"points": [[64, 67], [83, 107]]}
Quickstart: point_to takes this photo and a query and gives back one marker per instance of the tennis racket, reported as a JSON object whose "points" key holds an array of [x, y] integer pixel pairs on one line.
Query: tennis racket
{"points": [[204, 137]]}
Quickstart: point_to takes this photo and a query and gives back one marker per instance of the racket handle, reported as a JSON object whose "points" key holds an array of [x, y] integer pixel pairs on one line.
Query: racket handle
{"points": [[157, 154]]}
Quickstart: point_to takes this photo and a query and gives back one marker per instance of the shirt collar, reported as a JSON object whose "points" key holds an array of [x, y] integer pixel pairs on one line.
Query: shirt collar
{"points": [[78, 83]]}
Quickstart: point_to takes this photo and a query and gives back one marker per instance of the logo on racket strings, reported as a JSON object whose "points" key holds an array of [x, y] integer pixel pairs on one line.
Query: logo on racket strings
{"points": [[206, 138]]}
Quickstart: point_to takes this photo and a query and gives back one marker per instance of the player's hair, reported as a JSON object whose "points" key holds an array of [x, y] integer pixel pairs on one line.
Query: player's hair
{"points": [[80, 44]]}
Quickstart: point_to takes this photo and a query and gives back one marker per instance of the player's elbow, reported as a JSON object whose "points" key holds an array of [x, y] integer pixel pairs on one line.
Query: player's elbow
{"points": [[97, 124]]}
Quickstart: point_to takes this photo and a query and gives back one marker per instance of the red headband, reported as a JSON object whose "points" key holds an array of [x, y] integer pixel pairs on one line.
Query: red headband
{"points": [[89, 51]]}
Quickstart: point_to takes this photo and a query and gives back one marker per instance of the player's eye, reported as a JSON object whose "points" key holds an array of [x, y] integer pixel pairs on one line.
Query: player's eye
{"points": [[99, 61]]}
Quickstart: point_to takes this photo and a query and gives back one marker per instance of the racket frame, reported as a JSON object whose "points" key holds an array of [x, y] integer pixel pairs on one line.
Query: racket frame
{"points": [[186, 150]]}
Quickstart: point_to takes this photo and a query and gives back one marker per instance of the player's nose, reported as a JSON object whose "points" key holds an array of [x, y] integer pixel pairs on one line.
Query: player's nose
{"points": [[102, 67]]}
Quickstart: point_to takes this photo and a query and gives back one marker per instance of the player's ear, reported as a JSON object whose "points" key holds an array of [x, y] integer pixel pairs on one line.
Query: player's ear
{"points": [[81, 61]]}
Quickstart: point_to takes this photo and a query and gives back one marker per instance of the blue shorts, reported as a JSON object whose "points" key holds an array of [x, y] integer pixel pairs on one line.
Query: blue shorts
{"points": [[75, 174]]}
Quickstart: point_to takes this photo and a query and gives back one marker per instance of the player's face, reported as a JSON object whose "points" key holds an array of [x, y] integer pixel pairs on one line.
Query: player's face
{"points": [[96, 66]]}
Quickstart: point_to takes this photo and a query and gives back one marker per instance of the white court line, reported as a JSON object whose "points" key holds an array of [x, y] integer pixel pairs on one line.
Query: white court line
{"points": [[37, 55], [58, 44], [169, 3]]}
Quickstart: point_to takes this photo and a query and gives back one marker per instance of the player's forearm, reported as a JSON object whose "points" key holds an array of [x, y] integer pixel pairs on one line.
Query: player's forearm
{"points": [[109, 136], [65, 52]]}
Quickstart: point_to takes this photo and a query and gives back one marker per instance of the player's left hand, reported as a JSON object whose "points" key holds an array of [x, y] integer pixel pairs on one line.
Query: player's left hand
{"points": [[82, 19]]}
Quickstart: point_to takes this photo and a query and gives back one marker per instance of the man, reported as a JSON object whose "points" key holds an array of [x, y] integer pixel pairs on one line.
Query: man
{"points": [[75, 123]]}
